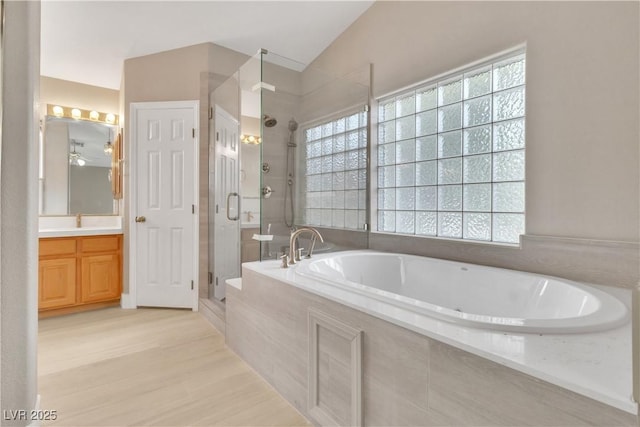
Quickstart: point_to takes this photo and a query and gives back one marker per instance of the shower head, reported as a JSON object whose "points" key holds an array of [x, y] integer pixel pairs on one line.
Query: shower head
{"points": [[293, 126], [269, 121]]}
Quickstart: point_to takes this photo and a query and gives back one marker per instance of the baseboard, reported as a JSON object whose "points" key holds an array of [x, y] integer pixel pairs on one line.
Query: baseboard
{"points": [[35, 422], [126, 302], [76, 309]]}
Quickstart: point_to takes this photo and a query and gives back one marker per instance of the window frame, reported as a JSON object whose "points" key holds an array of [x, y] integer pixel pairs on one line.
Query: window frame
{"points": [[375, 122], [302, 173]]}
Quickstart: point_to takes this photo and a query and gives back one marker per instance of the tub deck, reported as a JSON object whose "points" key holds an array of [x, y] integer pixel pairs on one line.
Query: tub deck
{"points": [[597, 365]]}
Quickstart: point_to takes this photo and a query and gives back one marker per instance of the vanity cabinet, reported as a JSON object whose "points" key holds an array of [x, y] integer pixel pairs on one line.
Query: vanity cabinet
{"points": [[100, 269], [79, 273], [57, 273]]}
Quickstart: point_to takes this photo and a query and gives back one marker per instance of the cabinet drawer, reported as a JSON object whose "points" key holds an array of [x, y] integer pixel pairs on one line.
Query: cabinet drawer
{"points": [[100, 244], [57, 247]]}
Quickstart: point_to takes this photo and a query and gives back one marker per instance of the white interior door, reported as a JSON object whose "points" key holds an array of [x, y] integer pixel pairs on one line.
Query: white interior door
{"points": [[164, 208], [226, 263]]}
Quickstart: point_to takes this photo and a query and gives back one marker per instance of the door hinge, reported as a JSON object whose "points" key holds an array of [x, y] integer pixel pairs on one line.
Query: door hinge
{"points": [[210, 277], [216, 208], [217, 136], [193, 209], [192, 285], [193, 132], [366, 108], [210, 113], [365, 227], [216, 281]]}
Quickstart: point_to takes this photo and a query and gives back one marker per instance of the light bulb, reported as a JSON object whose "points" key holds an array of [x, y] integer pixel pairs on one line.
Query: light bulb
{"points": [[58, 111], [76, 114], [94, 115]]}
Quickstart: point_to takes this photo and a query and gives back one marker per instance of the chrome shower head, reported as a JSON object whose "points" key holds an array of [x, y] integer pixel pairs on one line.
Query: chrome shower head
{"points": [[293, 126], [269, 121]]}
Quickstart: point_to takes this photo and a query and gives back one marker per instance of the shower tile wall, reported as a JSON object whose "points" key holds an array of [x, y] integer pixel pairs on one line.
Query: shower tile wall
{"points": [[282, 106], [305, 97]]}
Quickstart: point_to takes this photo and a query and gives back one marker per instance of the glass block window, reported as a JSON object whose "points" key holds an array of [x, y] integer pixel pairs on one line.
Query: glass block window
{"points": [[451, 155], [334, 168]]}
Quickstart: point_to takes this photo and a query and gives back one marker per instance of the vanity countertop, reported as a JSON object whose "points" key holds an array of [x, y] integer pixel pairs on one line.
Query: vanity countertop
{"points": [[83, 231], [61, 226]]}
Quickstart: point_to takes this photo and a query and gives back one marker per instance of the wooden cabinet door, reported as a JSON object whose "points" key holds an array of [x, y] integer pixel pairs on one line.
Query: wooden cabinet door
{"points": [[100, 277], [56, 282]]}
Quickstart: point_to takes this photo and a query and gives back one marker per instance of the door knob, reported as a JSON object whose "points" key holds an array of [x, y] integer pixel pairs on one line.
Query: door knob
{"points": [[140, 219]]}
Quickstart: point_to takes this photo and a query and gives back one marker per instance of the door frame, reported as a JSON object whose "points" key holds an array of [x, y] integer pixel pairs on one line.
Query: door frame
{"points": [[135, 107], [217, 108]]}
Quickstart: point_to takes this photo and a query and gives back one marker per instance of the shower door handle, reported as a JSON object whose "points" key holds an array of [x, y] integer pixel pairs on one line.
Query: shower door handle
{"points": [[235, 218]]}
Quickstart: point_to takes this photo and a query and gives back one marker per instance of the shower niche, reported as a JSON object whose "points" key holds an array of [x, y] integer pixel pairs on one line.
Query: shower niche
{"points": [[263, 181]]}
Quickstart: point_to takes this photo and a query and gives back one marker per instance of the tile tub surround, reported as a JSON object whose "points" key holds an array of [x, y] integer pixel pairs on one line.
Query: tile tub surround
{"points": [[420, 371], [603, 262]]}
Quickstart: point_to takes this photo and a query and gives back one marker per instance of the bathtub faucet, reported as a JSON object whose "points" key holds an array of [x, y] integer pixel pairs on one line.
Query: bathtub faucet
{"points": [[315, 234]]}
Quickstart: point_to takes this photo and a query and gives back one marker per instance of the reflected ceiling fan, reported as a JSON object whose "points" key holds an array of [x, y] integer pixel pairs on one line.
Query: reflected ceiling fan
{"points": [[75, 159]]}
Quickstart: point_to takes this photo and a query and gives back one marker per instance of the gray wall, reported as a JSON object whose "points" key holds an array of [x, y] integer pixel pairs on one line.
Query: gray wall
{"points": [[55, 193], [19, 208], [188, 73], [582, 94], [90, 190], [582, 166]]}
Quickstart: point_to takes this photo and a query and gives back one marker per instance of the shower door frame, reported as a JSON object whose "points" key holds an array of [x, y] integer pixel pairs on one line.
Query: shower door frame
{"points": [[217, 280]]}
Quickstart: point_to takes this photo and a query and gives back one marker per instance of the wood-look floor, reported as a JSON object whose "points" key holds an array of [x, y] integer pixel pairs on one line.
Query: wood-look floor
{"points": [[150, 367]]}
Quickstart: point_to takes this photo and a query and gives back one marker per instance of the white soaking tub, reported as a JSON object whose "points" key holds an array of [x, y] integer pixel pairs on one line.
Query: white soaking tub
{"points": [[471, 295], [521, 321]]}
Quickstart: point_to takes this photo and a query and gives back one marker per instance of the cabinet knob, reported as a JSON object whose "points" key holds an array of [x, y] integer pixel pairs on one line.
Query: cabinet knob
{"points": [[140, 219]]}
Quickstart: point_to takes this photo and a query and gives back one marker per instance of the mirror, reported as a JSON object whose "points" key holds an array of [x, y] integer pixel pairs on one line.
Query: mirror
{"points": [[250, 171], [78, 161]]}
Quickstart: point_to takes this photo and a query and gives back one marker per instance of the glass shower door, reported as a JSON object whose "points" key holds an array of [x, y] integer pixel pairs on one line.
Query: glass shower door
{"points": [[231, 109], [316, 146]]}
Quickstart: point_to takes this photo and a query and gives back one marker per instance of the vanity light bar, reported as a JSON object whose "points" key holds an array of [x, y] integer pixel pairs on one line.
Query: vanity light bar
{"points": [[80, 114], [250, 139]]}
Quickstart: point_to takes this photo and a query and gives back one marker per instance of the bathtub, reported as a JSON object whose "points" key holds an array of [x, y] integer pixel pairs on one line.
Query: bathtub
{"points": [[470, 295]]}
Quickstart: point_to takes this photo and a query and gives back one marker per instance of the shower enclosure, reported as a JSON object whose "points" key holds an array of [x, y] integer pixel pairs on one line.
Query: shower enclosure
{"points": [[288, 148]]}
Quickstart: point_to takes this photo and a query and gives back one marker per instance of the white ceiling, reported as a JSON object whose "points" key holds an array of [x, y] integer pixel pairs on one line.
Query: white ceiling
{"points": [[87, 41]]}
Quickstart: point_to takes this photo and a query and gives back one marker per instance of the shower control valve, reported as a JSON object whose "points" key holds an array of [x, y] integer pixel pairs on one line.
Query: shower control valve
{"points": [[266, 191]]}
